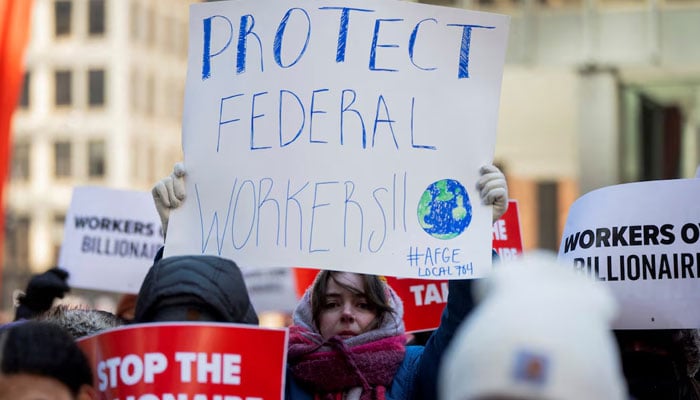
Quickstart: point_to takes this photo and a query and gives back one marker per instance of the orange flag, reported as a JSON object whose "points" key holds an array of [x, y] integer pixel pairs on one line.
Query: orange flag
{"points": [[15, 16]]}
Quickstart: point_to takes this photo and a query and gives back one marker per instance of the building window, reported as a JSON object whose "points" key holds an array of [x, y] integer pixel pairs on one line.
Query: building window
{"points": [[56, 253], [150, 105], [17, 242], [184, 39], [96, 87], [548, 211], [59, 222], [135, 91], [169, 37], [560, 3], [19, 169], [62, 17], [24, 95], [660, 140], [150, 27], [96, 159], [440, 2], [62, 159], [96, 15], [135, 22], [63, 81]]}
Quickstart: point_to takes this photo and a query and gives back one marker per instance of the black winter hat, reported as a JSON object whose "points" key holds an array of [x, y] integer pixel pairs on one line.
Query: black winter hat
{"points": [[41, 291], [197, 281]]}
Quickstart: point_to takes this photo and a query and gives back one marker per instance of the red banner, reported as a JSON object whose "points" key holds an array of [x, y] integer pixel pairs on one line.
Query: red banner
{"points": [[423, 301], [507, 239], [200, 361], [14, 35]]}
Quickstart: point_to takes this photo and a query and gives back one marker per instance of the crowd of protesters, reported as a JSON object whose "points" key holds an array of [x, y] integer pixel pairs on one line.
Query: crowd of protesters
{"points": [[529, 331]]}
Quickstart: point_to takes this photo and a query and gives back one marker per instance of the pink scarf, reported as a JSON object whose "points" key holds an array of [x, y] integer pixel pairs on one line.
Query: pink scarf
{"points": [[332, 367]]}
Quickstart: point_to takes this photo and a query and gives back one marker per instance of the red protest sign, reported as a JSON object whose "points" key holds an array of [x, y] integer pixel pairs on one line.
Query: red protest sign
{"points": [[507, 240], [203, 361], [423, 301], [303, 278]]}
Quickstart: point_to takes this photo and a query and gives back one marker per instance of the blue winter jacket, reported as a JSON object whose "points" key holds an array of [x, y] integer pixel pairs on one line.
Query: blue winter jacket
{"points": [[416, 378]]}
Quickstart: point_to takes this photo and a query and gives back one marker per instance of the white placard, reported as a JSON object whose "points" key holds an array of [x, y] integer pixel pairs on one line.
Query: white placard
{"points": [[110, 239], [342, 135], [270, 289], [642, 239]]}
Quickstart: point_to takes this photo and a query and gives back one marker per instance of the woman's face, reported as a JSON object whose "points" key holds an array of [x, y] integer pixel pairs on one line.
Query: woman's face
{"points": [[345, 313]]}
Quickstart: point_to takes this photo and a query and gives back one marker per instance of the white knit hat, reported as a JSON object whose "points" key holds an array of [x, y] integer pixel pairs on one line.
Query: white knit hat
{"points": [[540, 332]]}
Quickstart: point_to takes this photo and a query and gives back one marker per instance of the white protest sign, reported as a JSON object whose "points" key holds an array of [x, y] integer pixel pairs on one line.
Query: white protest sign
{"points": [[270, 289], [342, 135], [110, 239], [642, 239]]}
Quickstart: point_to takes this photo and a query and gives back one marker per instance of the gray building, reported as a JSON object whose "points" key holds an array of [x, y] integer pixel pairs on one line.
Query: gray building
{"points": [[595, 92], [101, 105]]}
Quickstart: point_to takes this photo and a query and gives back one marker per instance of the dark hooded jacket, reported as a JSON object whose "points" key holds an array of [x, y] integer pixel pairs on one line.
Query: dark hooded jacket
{"points": [[205, 282]]}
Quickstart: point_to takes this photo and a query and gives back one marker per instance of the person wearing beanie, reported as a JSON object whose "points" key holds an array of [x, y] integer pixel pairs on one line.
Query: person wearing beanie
{"points": [[41, 291], [539, 331], [194, 288]]}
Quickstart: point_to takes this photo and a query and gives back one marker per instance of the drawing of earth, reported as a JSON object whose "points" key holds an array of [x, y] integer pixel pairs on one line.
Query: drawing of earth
{"points": [[444, 210]]}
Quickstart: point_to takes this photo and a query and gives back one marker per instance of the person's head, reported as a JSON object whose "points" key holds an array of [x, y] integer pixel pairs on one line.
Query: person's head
{"points": [[194, 288], [42, 289], [658, 363], [80, 322], [347, 304], [40, 360], [539, 331]]}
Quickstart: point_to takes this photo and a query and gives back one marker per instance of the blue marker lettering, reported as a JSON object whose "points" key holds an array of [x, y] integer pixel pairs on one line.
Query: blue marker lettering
{"points": [[375, 40], [277, 46], [235, 208], [463, 69], [382, 104], [314, 207], [381, 209], [273, 203], [292, 198], [413, 143], [412, 44], [206, 45], [243, 32], [228, 121], [349, 191], [343, 30], [253, 117], [214, 221], [313, 111], [287, 113], [346, 108]]}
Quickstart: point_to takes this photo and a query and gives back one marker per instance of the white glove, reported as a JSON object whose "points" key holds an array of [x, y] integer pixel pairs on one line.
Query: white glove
{"points": [[493, 190], [169, 193]]}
